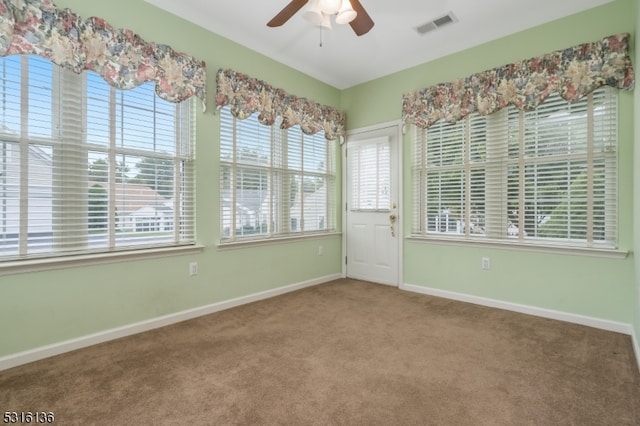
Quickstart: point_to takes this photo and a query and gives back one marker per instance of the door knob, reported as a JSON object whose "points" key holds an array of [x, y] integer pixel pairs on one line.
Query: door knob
{"points": [[392, 219]]}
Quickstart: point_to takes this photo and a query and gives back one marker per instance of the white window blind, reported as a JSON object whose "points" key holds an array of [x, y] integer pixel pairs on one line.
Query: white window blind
{"points": [[87, 168], [370, 165], [547, 176], [274, 182]]}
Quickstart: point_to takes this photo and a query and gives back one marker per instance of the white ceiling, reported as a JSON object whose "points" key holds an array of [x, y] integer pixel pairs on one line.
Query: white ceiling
{"points": [[345, 60]]}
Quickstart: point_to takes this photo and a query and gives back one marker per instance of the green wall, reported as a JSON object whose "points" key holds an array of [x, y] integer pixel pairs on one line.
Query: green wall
{"points": [[42, 308], [593, 286], [636, 156]]}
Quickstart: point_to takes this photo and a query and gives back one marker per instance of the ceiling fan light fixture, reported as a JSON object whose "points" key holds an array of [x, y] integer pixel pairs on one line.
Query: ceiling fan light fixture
{"points": [[314, 14], [330, 7], [326, 22], [346, 13]]}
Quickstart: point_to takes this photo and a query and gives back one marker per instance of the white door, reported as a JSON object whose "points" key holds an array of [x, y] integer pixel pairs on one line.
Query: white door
{"points": [[373, 233]]}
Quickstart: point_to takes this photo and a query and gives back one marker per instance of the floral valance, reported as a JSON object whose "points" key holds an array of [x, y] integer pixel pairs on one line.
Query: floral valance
{"points": [[572, 72], [246, 95], [121, 57]]}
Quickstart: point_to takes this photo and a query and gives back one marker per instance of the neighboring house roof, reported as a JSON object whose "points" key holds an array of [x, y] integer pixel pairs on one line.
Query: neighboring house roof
{"points": [[133, 197], [249, 199], [35, 152]]}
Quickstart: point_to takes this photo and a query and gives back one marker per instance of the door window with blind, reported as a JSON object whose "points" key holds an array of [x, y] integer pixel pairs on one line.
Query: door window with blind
{"points": [[87, 168], [274, 182], [546, 176], [370, 183]]}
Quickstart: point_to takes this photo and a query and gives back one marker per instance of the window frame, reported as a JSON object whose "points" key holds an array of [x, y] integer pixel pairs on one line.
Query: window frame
{"points": [[70, 147], [500, 239], [281, 175]]}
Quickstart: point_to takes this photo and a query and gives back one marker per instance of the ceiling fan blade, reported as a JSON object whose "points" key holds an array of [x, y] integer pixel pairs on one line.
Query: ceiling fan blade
{"points": [[286, 13], [363, 22]]}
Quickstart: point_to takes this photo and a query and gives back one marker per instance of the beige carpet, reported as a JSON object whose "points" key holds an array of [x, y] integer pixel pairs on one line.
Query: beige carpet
{"points": [[343, 353]]}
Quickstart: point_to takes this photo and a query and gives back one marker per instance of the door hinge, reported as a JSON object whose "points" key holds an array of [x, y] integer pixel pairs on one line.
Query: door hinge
{"points": [[345, 260]]}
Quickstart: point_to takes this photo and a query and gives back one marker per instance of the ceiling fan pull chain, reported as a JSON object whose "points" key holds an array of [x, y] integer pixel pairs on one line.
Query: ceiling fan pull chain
{"points": [[320, 36]]}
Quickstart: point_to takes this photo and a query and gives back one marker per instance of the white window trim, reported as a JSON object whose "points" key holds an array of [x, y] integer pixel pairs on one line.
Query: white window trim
{"points": [[517, 246], [315, 235], [13, 267]]}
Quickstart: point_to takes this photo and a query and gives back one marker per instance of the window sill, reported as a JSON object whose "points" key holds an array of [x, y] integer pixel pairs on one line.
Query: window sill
{"points": [[278, 240], [513, 246], [65, 262]]}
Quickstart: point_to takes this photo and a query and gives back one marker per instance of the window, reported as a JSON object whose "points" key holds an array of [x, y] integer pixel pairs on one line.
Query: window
{"points": [[274, 182], [547, 176], [370, 183], [88, 168]]}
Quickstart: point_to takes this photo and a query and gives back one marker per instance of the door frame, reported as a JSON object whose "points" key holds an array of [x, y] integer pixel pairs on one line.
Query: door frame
{"points": [[400, 181]]}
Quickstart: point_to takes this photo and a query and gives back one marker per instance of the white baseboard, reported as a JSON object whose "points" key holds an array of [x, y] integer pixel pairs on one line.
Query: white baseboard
{"points": [[36, 354], [525, 309]]}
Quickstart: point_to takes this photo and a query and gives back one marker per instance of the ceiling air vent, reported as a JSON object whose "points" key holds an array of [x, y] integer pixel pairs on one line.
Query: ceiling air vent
{"points": [[449, 18]]}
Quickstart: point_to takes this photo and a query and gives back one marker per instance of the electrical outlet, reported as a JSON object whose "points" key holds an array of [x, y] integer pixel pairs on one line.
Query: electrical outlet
{"points": [[193, 268], [486, 263], [320, 250]]}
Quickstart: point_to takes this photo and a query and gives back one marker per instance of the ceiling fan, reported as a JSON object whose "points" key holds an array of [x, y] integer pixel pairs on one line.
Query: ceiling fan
{"points": [[361, 24]]}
